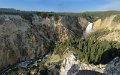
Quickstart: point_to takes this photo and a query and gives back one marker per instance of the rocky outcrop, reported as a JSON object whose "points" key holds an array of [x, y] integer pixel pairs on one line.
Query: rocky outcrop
{"points": [[113, 68], [71, 66], [88, 72], [67, 64], [30, 37]]}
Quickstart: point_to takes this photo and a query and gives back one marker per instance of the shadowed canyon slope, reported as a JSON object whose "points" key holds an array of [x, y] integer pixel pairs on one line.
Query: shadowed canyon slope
{"points": [[24, 39]]}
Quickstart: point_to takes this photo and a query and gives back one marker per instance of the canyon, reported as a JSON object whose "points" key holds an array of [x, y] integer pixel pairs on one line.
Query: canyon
{"points": [[32, 40], [22, 40]]}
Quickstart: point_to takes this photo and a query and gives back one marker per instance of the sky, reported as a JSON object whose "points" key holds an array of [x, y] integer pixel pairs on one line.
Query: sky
{"points": [[62, 5]]}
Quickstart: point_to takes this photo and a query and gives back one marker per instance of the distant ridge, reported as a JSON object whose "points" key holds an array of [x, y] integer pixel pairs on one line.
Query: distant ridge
{"points": [[13, 11]]}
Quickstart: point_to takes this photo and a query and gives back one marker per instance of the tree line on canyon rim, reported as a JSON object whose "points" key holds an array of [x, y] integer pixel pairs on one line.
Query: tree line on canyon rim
{"points": [[90, 16]]}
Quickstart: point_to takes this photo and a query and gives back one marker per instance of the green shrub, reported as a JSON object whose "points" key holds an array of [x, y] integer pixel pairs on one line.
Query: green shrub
{"points": [[56, 17], [117, 18], [42, 67], [63, 47]]}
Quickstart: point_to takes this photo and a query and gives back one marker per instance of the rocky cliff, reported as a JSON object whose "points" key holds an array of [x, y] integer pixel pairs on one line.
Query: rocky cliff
{"points": [[25, 38], [110, 28], [103, 30]]}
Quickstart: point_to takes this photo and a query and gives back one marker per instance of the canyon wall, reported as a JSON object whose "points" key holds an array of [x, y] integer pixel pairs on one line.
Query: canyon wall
{"points": [[29, 38]]}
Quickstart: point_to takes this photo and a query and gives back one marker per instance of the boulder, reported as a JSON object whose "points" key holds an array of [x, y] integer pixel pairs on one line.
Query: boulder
{"points": [[113, 68]]}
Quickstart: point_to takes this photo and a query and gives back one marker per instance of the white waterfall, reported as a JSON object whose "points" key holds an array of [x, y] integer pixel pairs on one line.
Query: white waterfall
{"points": [[88, 29]]}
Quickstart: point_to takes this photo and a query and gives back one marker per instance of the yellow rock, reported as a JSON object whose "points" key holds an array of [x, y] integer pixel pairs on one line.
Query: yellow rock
{"points": [[105, 24]]}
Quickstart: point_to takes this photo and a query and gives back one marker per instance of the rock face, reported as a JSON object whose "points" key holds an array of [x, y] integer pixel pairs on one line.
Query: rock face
{"points": [[67, 64], [113, 68], [109, 27], [88, 72], [71, 66], [107, 23], [24, 38]]}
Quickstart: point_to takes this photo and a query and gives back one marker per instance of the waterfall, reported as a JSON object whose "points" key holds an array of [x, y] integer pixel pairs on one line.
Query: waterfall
{"points": [[88, 29]]}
